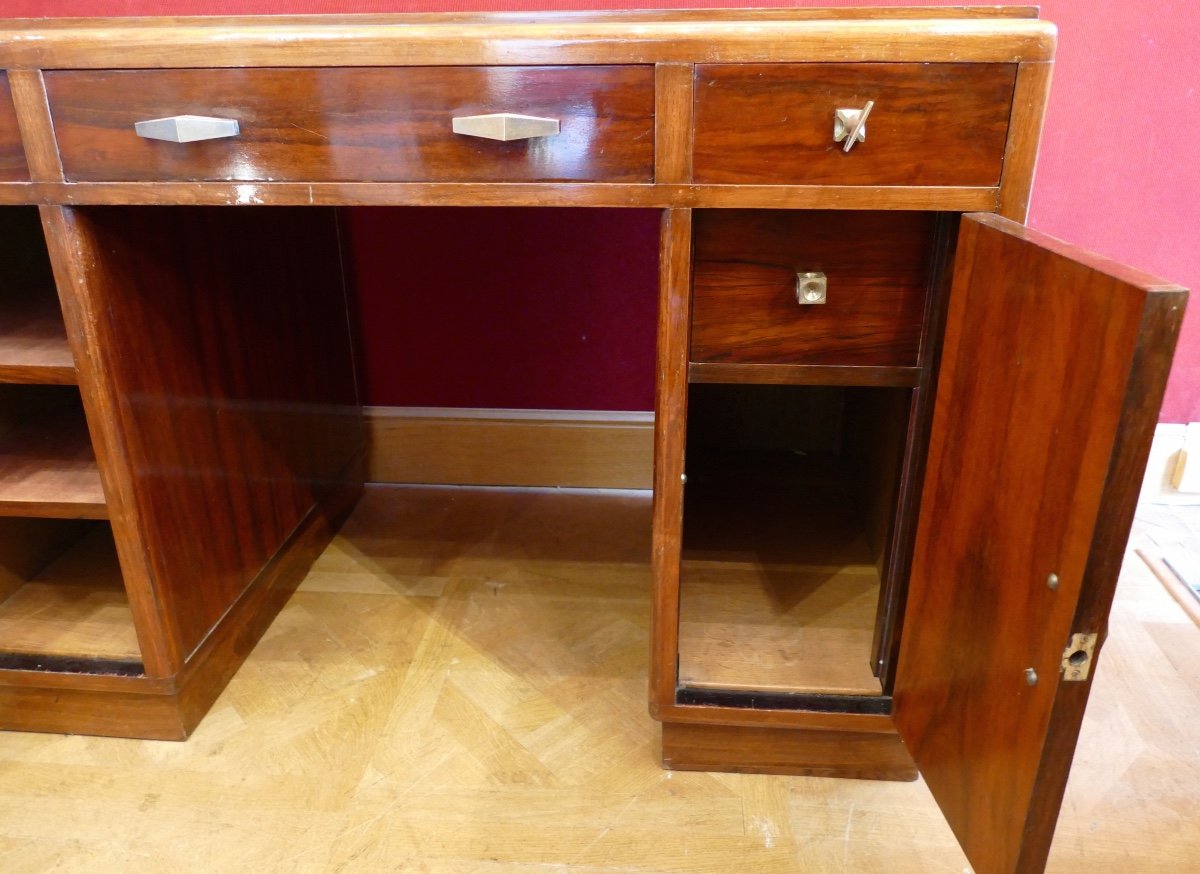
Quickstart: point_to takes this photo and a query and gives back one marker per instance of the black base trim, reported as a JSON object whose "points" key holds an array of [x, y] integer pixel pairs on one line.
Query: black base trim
{"points": [[56, 664], [817, 703]]}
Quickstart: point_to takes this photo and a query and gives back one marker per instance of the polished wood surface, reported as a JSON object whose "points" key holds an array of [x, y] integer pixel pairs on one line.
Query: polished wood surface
{"points": [[75, 607], [893, 595], [33, 338], [670, 443], [742, 750], [655, 37], [802, 374], [33, 341], [744, 308], [47, 466], [215, 367], [373, 688], [1030, 99], [37, 130], [561, 448], [12, 154], [668, 196], [932, 124], [358, 124], [1157, 337], [1030, 424], [225, 365], [673, 127]]}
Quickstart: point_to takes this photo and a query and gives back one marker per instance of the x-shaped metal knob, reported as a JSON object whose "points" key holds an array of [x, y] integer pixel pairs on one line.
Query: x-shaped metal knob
{"points": [[850, 125]]}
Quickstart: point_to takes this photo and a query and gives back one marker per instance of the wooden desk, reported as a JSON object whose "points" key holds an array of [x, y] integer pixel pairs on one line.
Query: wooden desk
{"points": [[911, 439]]}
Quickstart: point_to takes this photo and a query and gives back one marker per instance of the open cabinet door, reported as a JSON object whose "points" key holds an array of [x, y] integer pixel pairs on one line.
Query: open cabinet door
{"points": [[1052, 373]]}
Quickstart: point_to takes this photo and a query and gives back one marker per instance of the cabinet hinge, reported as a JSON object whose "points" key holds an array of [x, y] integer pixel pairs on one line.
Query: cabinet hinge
{"points": [[1077, 657]]}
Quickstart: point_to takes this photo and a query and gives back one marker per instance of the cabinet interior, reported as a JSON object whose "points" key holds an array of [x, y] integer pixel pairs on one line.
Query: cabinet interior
{"points": [[788, 509], [63, 604]]}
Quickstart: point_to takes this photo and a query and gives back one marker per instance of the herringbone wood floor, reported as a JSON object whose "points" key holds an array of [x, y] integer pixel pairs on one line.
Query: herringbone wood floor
{"points": [[459, 686]]}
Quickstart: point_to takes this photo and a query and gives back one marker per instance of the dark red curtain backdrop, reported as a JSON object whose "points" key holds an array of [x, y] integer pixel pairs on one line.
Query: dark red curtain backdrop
{"points": [[464, 324]]}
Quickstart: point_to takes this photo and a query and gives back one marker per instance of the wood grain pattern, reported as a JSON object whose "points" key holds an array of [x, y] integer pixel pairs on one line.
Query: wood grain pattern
{"points": [[37, 129], [218, 360], [509, 194], [801, 374], [33, 342], [374, 40], [932, 124], [358, 124], [47, 467], [558, 448], [537, 752], [893, 594], [670, 437], [12, 154], [673, 122], [1158, 333], [33, 338], [866, 756], [1040, 343], [744, 308], [778, 584], [1030, 98]]}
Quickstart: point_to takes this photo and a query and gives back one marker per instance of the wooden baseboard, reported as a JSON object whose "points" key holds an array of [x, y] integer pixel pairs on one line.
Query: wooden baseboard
{"points": [[800, 752], [556, 448]]}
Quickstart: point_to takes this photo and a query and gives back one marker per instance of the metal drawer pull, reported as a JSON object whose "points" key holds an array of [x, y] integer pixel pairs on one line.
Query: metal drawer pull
{"points": [[851, 125], [505, 126], [810, 288], [186, 128]]}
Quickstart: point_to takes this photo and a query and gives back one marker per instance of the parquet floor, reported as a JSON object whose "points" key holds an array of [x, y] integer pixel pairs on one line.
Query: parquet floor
{"points": [[459, 686]]}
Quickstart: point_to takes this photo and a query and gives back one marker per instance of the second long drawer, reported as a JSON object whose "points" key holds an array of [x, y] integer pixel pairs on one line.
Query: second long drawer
{"points": [[347, 124]]}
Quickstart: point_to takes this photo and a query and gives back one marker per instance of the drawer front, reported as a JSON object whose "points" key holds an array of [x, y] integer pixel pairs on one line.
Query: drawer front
{"points": [[744, 304], [931, 124], [335, 124], [12, 155]]}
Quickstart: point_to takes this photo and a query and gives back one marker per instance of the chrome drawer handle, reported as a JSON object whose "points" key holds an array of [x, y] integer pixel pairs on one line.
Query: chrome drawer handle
{"points": [[505, 126], [811, 288], [850, 125], [186, 128]]}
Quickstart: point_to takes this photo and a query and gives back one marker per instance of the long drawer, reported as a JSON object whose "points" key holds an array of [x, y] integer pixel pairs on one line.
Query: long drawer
{"points": [[347, 124], [929, 124]]}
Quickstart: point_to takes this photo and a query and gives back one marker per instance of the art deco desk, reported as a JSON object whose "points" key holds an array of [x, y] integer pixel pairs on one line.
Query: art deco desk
{"points": [[874, 386]]}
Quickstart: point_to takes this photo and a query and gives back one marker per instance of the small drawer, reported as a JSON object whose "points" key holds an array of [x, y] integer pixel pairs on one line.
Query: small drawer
{"points": [[930, 124], [744, 301], [357, 124], [12, 154]]}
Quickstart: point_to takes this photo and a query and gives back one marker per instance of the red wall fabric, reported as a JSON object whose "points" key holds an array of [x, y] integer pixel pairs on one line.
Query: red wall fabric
{"points": [[1119, 174]]}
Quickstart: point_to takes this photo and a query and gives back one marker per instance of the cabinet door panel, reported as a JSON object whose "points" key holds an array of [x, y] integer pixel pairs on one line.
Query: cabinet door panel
{"points": [[1052, 373]]}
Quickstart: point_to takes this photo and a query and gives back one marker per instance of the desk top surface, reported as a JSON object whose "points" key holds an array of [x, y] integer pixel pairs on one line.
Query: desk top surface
{"points": [[996, 34]]}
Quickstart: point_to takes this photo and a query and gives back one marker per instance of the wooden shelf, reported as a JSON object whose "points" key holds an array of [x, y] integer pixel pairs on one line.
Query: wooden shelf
{"points": [[48, 468], [74, 609], [779, 587], [802, 374], [33, 342]]}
